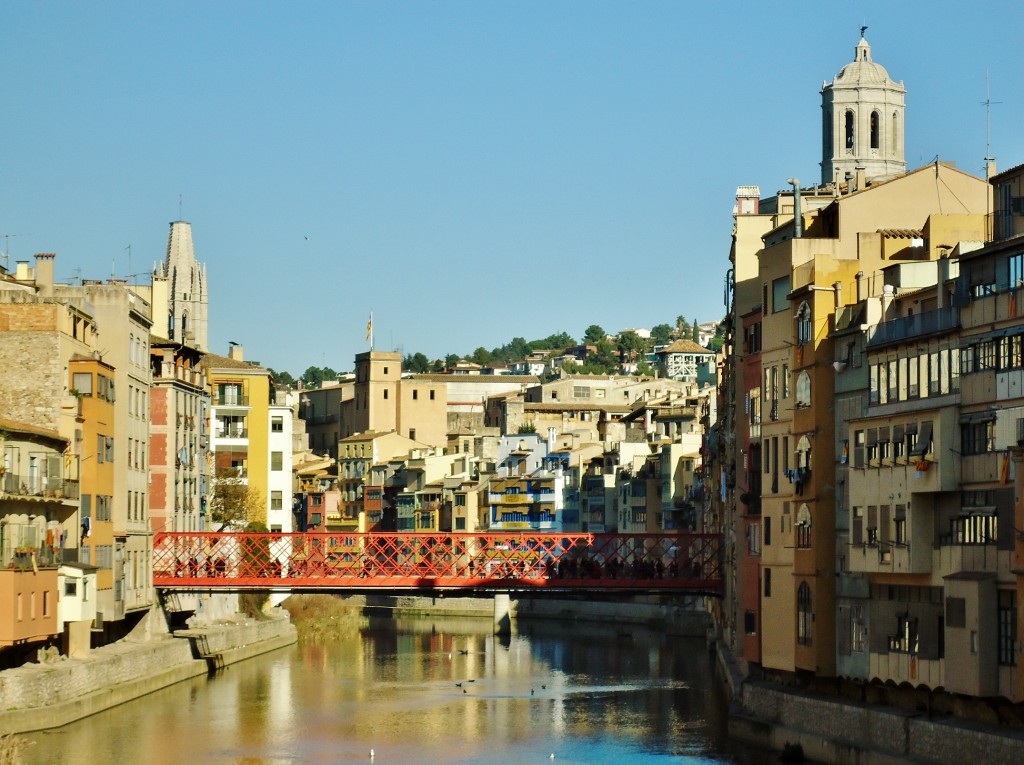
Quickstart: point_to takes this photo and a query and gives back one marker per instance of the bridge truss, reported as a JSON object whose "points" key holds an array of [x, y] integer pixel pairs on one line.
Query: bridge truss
{"points": [[683, 562]]}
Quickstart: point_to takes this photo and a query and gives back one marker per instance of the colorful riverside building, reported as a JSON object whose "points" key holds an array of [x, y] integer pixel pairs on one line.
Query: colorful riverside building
{"points": [[245, 443], [797, 259], [179, 438]]}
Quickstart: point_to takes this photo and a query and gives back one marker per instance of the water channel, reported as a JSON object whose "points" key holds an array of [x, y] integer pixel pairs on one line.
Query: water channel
{"points": [[428, 691]]}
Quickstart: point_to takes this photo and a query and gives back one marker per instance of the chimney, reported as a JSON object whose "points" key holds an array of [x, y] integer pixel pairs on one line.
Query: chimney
{"points": [[236, 352], [44, 269], [888, 293], [861, 179], [838, 287], [943, 269], [860, 285]]}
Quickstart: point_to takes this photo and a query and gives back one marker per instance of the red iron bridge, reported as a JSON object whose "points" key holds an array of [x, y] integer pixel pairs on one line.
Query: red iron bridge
{"points": [[498, 562]]}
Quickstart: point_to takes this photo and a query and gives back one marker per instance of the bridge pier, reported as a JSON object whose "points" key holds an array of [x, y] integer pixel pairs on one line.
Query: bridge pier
{"points": [[502, 613]]}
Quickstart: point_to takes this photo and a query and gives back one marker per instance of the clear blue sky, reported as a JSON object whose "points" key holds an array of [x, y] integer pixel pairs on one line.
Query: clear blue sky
{"points": [[470, 171]]}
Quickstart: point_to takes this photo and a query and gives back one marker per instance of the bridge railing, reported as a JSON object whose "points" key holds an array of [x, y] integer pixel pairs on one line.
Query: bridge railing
{"points": [[513, 560]]}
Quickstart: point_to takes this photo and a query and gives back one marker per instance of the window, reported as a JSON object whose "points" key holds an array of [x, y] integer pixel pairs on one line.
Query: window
{"points": [[70, 588], [905, 639], [978, 437], [750, 623], [276, 500], [82, 383], [874, 130], [803, 389], [804, 616], [385, 393], [780, 289], [277, 424], [804, 326], [768, 530], [803, 527], [412, 434], [858, 630], [1015, 268], [848, 130], [276, 460], [460, 523], [1007, 627], [415, 395], [431, 395], [767, 582], [754, 539]]}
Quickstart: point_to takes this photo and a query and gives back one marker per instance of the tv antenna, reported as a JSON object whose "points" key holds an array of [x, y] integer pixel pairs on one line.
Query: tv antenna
{"points": [[6, 254], [988, 104]]}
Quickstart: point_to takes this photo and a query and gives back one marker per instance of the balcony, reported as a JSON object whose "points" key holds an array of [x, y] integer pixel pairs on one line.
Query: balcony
{"points": [[917, 325], [229, 400], [48, 487], [1004, 224], [229, 433]]}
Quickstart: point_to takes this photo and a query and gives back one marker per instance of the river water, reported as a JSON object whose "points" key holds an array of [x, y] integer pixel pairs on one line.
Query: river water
{"points": [[428, 691]]}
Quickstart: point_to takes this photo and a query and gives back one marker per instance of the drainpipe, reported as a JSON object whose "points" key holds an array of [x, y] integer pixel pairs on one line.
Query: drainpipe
{"points": [[798, 220]]}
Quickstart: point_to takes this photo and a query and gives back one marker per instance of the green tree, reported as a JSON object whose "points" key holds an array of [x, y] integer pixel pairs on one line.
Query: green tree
{"points": [[630, 345], [451, 360], [644, 369], [594, 335], [696, 332], [682, 326], [661, 334], [314, 376], [416, 362], [234, 503], [481, 356]]}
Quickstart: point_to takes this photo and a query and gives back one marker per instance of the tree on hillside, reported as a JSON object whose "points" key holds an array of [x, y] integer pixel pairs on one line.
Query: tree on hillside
{"points": [[282, 378], [481, 356], [630, 345], [594, 335], [234, 503], [682, 326], [313, 376], [451, 360], [696, 332], [416, 362], [661, 334]]}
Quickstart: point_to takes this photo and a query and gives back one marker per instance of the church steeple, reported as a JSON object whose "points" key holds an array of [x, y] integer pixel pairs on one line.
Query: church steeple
{"points": [[862, 120], [187, 300]]}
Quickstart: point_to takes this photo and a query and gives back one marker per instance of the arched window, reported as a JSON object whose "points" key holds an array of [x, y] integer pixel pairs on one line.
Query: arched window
{"points": [[804, 326], [184, 326], [804, 615], [803, 527], [894, 134], [874, 130], [131, 348], [803, 389], [849, 130], [170, 326]]}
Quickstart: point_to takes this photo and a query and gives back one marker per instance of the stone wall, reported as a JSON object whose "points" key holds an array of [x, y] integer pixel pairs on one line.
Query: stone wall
{"points": [[835, 731], [60, 690]]}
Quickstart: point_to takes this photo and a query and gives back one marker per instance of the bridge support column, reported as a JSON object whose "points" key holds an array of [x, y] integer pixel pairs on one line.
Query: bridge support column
{"points": [[502, 614]]}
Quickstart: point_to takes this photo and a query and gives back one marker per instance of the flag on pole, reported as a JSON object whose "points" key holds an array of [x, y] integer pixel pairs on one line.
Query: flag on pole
{"points": [[369, 329]]}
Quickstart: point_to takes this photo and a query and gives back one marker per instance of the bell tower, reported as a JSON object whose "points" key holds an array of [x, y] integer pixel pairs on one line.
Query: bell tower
{"points": [[862, 121]]}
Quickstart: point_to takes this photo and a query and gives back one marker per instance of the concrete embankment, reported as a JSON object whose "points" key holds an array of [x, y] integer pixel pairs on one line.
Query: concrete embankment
{"points": [[61, 690], [836, 731], [682, 617]]}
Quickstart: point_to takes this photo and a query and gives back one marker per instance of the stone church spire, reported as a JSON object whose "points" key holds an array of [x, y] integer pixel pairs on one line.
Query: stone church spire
{"points": [[862, 121], [187, 299]]}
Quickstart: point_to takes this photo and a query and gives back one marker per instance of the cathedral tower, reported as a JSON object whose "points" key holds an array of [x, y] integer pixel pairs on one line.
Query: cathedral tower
{"points": [[862, 121], [179, 292]]}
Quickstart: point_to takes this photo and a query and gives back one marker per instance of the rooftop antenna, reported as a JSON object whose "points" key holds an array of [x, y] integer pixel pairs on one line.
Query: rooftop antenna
{"points": [[6, 254], [129, 248], [987, 103]]}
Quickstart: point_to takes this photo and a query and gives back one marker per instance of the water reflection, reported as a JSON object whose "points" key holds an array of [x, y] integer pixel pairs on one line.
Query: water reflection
{"points": [[425, 691]]}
